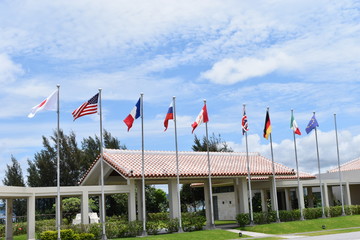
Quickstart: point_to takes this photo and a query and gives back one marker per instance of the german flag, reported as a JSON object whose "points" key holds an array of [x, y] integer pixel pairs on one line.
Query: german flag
{"points": [[267, 127]]}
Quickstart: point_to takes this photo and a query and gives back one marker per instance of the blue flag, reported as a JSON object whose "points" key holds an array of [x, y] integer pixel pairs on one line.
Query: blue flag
{"points": [[312, 124]]}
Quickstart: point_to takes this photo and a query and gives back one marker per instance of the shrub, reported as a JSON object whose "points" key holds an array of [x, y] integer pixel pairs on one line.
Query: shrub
{"points": [[271, 216], [260, 218], [135, 228], [312, 213], [20, 228], [153, 227], [65, 234], [172, 225], [95, 229], [162, 216], [84, 236], [243, 219]]}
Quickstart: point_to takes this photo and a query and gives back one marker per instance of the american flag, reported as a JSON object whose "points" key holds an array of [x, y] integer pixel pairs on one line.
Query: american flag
{"points": [[88, 107], [244, 122]]}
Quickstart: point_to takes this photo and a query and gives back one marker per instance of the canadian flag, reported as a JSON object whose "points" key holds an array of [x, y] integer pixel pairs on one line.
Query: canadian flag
{"points": [[50, 104], [201, 118]]}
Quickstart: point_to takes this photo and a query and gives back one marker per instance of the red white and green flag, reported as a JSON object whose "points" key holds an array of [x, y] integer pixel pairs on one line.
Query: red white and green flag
{"points": [[294, 126]]}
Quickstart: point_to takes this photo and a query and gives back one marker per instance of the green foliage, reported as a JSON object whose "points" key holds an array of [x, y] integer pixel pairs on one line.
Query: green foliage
{"points": [[65, 234], [14, 177], [156, 200], [191, 196], [162, 216], [192, 221], [243, 219], [312, 213], [216, 144], [172, 225], [84, 236]]}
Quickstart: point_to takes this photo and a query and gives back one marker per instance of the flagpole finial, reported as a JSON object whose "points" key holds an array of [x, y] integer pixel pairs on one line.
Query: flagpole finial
{"points": [[141, 93], [314, 112], [174, 97], [244, 104], [100, 89], [268, 108], [58, 85], [204, 100]]}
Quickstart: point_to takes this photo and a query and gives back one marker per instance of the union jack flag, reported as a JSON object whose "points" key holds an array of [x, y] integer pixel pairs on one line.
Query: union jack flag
{"points": [[244, 122]]}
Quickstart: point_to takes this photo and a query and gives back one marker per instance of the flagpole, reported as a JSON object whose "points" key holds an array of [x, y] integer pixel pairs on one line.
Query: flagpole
{"points": [[318, 160], [177, 169], [58, 166], [143, 164], [340, 175], [212, 224], [297, 175], [103, 237], [274, 181], [249, 178]]}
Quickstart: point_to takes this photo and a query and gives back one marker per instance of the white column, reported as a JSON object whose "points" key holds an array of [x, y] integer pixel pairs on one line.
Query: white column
{"points": [[173, 199], [331, 195], [31, 218], [310, 197], [244, 202], [9, 216], [139, 199], [272, 193], [300, 194], [326, 195], [237, 196], [132, 201], [263, 200], [207, 204], [347, 194], [288, 199], [85, 207], [100, 208]]}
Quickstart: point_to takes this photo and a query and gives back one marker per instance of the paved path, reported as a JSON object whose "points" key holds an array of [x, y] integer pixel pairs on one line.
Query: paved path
{"points": [[337, 236]]}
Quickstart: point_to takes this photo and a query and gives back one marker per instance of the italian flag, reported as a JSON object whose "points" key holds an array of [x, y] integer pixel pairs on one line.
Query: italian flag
{"points": [[294, 126]]}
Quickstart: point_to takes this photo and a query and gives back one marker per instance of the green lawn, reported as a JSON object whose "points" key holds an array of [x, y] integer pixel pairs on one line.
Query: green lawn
{"points": [[331, 232], [307, 225], [201, 235], [222, 222]]}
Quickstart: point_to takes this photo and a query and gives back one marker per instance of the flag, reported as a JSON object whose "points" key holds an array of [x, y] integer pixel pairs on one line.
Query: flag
{"points": [[267, 127], [134, 114], [244, 122], [294, 126], [312, 124], [50, 104], [201, 118], [169, 116], [88, 107]]}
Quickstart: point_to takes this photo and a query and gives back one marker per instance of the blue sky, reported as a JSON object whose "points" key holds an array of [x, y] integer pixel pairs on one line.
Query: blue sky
{"points": [[301, 55]]}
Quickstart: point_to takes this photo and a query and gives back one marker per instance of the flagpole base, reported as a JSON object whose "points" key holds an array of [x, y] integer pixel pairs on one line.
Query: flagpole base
{"points": [[210, 227], [180, 230], [278, 220], [251, 223], [103, 237], [144, 234]]}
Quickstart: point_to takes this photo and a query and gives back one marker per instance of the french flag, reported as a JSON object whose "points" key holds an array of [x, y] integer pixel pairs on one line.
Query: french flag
{"points": [[134, 114], [169, 116], [201, 118]]}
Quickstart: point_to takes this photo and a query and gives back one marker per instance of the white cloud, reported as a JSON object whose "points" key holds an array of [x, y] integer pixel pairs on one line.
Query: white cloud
{"points": [[230, 71], [9, 70]]}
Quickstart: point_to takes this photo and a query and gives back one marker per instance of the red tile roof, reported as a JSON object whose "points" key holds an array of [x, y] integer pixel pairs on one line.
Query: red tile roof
{"points": [[349, 166], [161, 164]]}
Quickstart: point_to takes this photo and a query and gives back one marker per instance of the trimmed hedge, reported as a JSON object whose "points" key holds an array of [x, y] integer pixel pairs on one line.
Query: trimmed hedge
{"points": [[294, 215]]}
